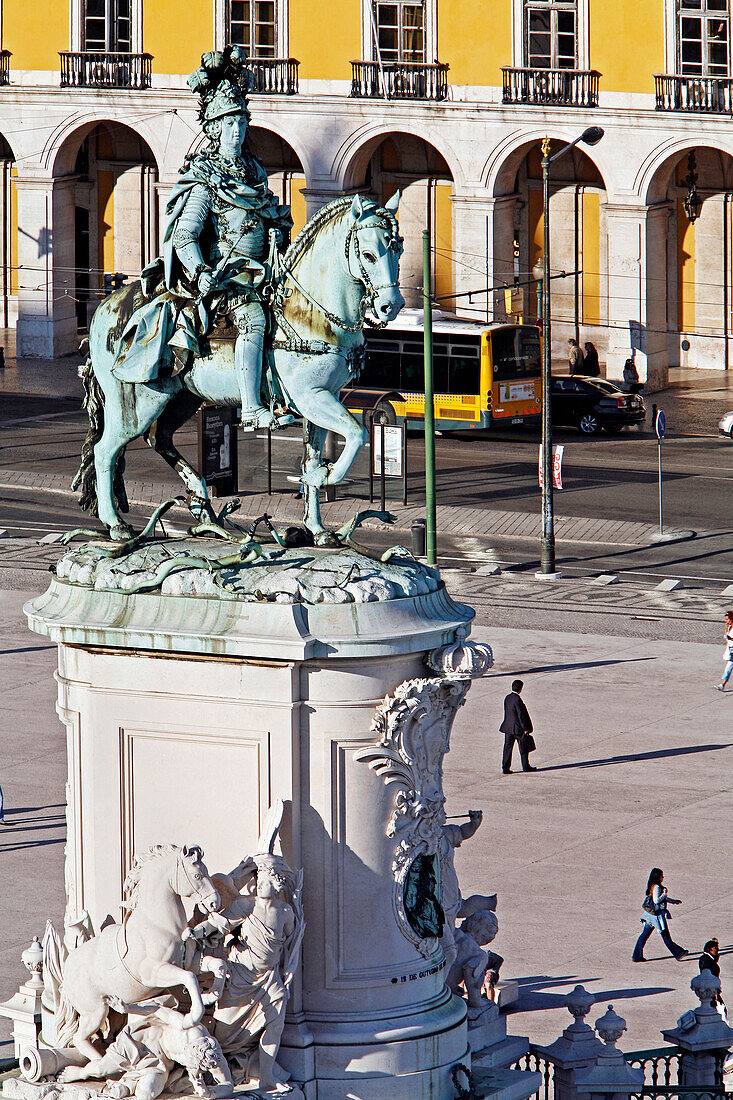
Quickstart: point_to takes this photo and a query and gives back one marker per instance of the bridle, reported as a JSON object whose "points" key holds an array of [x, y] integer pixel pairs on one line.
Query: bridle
{"points": [[181, 867], [370, 289]]}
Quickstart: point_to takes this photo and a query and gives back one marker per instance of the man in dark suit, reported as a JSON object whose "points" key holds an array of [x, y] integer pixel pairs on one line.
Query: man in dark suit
{"points": [[516, 724]]}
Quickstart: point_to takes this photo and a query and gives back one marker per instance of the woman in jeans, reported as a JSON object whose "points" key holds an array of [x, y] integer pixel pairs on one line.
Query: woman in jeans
{"points": [[655, 917], [728, 650]]}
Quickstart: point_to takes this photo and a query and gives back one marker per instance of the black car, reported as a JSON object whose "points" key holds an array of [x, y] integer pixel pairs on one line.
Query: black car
{"points": [[593, 403]]}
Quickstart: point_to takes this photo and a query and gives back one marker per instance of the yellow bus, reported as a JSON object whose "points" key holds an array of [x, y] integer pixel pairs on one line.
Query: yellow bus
{"points": [[483, 374]]}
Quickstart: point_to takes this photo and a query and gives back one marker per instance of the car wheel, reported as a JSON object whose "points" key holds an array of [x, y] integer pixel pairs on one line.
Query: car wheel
{"points": [[614, 429], [589, 424]]}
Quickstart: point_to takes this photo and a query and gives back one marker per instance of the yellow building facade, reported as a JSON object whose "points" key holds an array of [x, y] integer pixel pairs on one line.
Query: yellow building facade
{"points": [[445, 100]]}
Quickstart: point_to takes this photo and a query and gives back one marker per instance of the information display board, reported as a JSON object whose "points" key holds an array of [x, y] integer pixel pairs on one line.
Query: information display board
{"points": [[393, 450], [217, 436]]}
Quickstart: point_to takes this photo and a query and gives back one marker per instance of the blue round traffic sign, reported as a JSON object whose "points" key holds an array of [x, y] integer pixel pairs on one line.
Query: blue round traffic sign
{"points": [[660, 424]]}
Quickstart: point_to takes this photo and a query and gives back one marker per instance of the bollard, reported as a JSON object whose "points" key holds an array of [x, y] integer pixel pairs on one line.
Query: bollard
{"points": [[418, 535]]}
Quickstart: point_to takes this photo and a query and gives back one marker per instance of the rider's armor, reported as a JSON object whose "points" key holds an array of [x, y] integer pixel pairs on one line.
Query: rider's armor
{"points": [[215, 235]]}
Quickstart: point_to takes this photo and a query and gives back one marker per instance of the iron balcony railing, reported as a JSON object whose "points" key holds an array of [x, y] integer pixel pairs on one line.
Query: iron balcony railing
{"points": [[5, 56], [702, 94], [105, 70], [274, 75], [399, 80], [551, 87]]}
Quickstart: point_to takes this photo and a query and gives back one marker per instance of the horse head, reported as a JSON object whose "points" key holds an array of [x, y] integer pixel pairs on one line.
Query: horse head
{"points": [[192, 879], [373, 253]]}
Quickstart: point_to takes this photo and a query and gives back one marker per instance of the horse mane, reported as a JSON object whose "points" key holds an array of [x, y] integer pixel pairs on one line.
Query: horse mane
{"points": [[322, 217], [131, 887]]}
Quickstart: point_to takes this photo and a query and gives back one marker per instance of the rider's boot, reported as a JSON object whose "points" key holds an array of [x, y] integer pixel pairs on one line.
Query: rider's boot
{"points": [[248, 363]]}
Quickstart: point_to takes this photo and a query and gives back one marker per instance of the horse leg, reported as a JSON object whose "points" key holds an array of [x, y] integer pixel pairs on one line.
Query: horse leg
{"points": [[143, 405], [323, 408], [113, 439], [159, 436], [89, 1022], [313, 475]]}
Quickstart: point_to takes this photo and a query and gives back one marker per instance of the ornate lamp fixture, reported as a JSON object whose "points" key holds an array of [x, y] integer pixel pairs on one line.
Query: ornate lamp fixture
{"points": [[692, 201]]}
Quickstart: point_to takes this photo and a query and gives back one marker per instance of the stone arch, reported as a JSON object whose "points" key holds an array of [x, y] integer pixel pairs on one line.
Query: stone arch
{"points": [[695, 253], [112, 205], [352, 158], [391, 160], [578, 235], [62, 147], [500, 169], [653, 176]]}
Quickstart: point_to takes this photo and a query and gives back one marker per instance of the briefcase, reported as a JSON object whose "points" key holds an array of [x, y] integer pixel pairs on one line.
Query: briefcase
{"points": [[528, 743]]}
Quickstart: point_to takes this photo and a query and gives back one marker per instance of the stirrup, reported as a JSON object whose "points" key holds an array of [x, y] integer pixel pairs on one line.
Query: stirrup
{"points": [[253, 419]]}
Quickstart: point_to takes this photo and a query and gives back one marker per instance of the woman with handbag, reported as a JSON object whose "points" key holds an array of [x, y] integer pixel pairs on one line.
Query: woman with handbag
{"points": [[655, 916], [728, 650]]}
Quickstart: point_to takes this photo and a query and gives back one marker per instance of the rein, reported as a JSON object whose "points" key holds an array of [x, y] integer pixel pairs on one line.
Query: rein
{"points": [[321, 347]]}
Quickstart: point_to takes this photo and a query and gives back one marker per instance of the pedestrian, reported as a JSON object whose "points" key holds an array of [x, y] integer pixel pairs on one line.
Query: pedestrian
{"points": [[517, 726], [709, 961], [728, 628], [575, 357], [631, 376], [655, 916], [2, 811], [591, 366]]}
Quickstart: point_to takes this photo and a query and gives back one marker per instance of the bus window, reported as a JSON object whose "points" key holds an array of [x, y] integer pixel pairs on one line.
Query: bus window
{"points": [[515, 353], [464, 374], [381, 368], [412, 375]]}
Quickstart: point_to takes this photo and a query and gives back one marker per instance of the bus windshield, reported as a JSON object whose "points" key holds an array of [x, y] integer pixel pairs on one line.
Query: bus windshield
{"points": [[516, 353]]}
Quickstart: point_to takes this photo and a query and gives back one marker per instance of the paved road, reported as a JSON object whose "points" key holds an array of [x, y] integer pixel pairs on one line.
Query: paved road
{"points": [[603, 477]]}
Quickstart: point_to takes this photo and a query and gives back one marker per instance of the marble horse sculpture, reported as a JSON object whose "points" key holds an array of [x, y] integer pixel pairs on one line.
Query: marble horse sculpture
{"points": [[142, 956], [223, 317]]}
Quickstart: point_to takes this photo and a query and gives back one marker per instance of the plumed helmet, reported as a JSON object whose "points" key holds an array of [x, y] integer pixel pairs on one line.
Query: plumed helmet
{"points": [[226, 100], [222, 82]]}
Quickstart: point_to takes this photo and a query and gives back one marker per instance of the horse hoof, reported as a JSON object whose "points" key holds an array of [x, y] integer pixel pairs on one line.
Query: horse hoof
{"points": [[325, 538], [121, 532]]}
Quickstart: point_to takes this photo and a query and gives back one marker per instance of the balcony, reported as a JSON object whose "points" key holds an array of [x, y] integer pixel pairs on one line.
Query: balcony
{"points": [[5, 56], [105, 70], [551, 87], [709, 95], [274, 75], [402, 80]]}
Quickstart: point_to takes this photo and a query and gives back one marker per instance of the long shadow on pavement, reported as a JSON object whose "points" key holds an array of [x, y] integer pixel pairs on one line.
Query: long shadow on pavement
{"points": [[570, 667], [659, 754], [532, 995]]}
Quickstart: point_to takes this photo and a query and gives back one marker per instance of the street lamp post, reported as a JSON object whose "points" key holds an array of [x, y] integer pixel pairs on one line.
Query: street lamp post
{"points": [[591, 136]]}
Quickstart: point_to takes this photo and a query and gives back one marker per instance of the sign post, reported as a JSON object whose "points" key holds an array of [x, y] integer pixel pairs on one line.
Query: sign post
{"points": [[557, 453], [660, 427], [218, 447]]}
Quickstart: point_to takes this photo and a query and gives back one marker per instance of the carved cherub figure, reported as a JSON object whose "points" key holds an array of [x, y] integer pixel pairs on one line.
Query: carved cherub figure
{"points": [[452, 836], [474, 968]]}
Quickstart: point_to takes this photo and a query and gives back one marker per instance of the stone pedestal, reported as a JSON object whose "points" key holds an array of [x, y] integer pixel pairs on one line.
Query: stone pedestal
{"points": [[188, 714], [703, 1042]]}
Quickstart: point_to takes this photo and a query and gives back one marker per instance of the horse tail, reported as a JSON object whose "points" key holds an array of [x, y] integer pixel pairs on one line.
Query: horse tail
{"points": [[67, 1021], [85, 479]]}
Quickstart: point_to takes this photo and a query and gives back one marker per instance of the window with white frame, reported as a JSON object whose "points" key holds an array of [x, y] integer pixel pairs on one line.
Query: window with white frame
{"points": [[107, 26], [703, 37], [400, 27], [252, 24], [550, 34]]}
